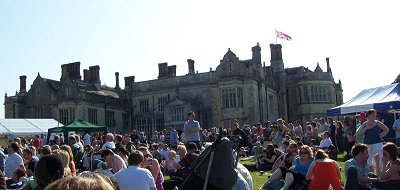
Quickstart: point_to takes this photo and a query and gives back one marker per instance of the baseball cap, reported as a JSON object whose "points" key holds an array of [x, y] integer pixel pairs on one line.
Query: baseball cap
{"points": [[361, 114]]}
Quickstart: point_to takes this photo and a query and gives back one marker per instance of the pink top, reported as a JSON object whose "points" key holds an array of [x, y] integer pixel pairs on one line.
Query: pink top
{"points": [[116, 163]]}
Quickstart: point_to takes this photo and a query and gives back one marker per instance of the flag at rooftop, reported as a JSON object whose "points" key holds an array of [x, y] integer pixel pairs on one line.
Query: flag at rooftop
{"points": [[283, 35]]}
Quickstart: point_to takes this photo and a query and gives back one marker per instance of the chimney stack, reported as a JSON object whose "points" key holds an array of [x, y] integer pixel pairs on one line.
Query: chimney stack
{"points": [[328, 66], [129, 81], [171, 71], [86, 76], [22, 84], [95, 75], [256, 56], [71, 71], [162, 70], [191, 66], [117, 80]]}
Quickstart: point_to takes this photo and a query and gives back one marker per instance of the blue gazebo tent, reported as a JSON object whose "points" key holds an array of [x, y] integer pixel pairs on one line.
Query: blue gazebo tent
{"points": [[383, 99]]}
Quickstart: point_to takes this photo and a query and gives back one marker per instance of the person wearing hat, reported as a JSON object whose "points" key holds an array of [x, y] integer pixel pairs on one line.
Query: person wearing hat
{"points": [[361, 118]]}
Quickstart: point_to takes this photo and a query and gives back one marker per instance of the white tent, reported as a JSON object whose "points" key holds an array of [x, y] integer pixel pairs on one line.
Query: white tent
{"points": [[26, 127]]}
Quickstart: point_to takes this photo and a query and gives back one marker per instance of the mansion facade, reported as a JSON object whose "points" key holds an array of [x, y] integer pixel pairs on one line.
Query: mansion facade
{"points": [[245, 90]]}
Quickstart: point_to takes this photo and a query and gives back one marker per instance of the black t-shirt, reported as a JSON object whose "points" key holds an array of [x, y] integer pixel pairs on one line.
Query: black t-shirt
{"points": [[32, 164]]}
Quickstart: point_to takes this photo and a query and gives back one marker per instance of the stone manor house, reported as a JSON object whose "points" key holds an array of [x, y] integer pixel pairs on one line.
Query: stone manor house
{"points": [[246, 90]]}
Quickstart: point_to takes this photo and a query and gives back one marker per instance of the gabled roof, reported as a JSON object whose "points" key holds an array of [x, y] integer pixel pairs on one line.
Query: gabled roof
{"points": [[297, 70]]}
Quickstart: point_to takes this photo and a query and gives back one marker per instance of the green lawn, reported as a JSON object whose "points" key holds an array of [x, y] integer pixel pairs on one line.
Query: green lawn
{"points": [[259, 180]]}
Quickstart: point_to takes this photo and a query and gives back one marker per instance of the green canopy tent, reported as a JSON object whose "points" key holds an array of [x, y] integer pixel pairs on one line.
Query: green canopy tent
{"points": [[77, 125]]}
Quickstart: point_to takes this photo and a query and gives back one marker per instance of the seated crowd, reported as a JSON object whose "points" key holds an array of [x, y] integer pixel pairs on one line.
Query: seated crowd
{"points": [[296, 158]]}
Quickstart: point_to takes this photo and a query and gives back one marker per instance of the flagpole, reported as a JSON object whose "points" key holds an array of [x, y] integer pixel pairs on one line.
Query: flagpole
{"points": [[276, 37]]}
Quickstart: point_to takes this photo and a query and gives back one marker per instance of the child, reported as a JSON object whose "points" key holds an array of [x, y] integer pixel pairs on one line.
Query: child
{"points": [[170, 163], [242, 152]]}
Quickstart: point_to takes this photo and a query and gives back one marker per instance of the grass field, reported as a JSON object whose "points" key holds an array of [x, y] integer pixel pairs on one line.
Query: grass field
{"points": [[259, 180]]}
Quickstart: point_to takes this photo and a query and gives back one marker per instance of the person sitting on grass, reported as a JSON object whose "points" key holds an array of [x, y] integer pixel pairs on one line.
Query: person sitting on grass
{"points": [[357, 170], [295, 175], [322, 172], [266, 160], [326, 141], [390, 172]]}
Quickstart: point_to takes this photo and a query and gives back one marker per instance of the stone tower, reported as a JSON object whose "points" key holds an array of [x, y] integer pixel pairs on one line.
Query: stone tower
{"points": [[279, 75]]}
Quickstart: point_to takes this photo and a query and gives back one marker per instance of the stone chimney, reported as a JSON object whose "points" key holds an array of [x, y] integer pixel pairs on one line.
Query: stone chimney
{"points": [[276, 52], [129, 81], [172, 71], [328, 66], [86, 76], [71, 71], [117, 80], [95, 75], [191, 66], [256, 54], [162, 70], [22, 84]]}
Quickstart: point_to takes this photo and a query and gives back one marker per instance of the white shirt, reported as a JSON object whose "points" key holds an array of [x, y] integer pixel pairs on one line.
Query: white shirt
{"points": [[325, 143], [110, 145], [164, 153], [13, 161], [134, 177], [86, 139]]}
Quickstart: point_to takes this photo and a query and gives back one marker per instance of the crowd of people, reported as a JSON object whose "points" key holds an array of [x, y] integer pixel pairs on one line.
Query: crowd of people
{"points": [[297, 157]]}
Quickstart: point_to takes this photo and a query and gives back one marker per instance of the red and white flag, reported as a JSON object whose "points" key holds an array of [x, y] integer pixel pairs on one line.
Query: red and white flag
{"points": [[283, 35]]}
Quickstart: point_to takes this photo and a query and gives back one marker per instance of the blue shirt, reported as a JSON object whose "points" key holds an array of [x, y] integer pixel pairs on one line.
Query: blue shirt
{"points": [[361, 169], [302, 169], [396, 125], [192, 136]]}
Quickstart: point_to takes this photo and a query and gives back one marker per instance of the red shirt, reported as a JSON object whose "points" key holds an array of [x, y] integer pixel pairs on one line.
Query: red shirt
{"points": [[324, 173], [36, 143], [186, 161]]}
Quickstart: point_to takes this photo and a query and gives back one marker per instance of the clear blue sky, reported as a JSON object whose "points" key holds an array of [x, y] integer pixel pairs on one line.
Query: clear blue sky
{"points": [[132, 37]]}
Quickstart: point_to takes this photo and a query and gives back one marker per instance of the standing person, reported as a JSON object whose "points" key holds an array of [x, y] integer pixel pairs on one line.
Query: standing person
{"points": [[396, 128], [373, 137], [173, 135], [135, 176], [361, 118], [351, 140], [339, 136], [191, 129], [332, 131], [36, 142], [86, 138]]}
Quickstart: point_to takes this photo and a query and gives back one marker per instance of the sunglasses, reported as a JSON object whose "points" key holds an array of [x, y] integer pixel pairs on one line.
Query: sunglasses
{"points": [[148, 156]]}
